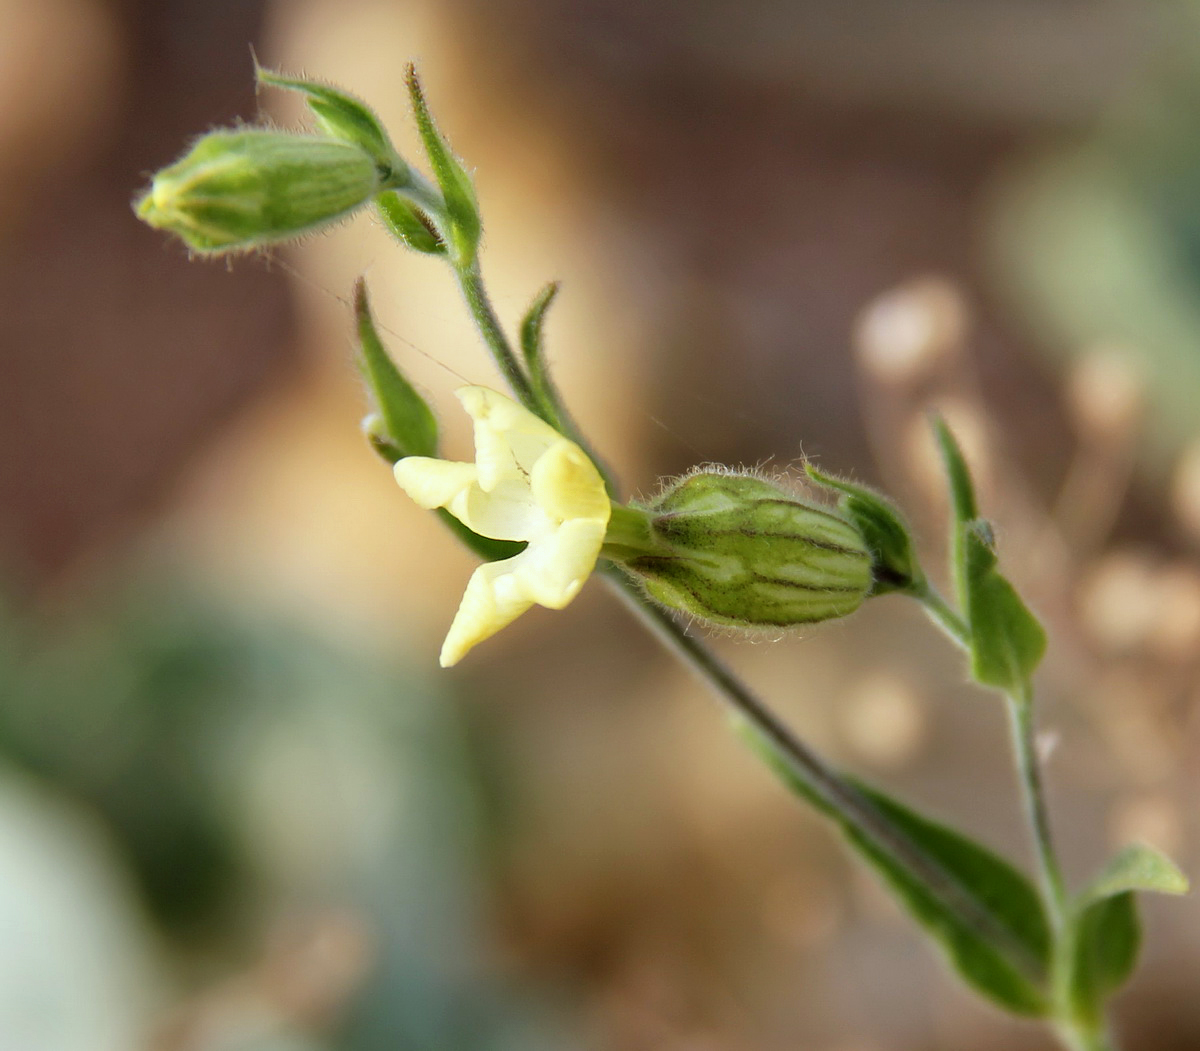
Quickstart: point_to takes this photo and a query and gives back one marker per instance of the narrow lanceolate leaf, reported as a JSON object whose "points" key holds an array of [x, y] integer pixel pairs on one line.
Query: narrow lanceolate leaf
{"points": [[408, 223], [462, 208], [342, 116], [962, 502], [1007, 641], [531, 329], [895, 561], [962, 492], [409, 425], [1106, 933], [533, 351], [1007, 961], [984, 915]]}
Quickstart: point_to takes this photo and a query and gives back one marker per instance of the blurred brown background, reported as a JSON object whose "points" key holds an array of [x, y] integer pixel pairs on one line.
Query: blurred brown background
{"points": [[239, 807]]}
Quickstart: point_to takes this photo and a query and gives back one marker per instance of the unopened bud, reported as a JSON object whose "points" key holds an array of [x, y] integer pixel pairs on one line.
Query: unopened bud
{"points": [[736, 550], [241, 189]]}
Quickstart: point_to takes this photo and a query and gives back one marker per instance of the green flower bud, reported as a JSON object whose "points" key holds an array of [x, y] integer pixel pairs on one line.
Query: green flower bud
{"points": [[736, 550], [240, 189]]}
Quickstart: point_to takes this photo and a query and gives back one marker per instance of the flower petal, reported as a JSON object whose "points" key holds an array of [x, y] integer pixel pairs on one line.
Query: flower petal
{"points": [[509, 439], [507, 512], [493, 600], [434, 483], [566, 484], [551, 570]]}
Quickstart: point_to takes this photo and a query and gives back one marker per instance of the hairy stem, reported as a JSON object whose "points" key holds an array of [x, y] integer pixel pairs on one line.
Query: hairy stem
{"points": [[1024, 736], [470, 281], [827, 789]]}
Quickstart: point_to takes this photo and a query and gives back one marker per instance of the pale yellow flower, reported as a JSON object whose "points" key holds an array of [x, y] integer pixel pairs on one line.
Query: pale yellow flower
{"points": [[529, 483]]}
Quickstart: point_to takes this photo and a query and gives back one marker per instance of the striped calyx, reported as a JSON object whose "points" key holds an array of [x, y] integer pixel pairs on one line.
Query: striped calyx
{"points": [[736, 550]]}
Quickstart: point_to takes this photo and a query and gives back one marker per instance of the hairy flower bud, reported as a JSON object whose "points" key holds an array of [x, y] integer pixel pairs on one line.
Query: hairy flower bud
{"points": [[240, 189], [736, 550]]}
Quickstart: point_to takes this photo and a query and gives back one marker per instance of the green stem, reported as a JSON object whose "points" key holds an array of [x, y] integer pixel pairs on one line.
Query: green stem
{"points": [[421, 192], [831, 793], [942, 614], [1020, 708], [1033, 795], [1078, 1038], [1024, 736], [470, 281]]}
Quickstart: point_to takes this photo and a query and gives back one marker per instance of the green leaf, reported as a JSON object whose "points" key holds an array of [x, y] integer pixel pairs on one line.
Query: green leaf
{"points": [[1002, 894], [1106, 933], [962, 502], [883, 529], [1137, 867], [533, 351], [409, 425], [342, 116], [409, 223], [962, 492], [984, 914], [531, 329], [1007, 641], [462, 208]]}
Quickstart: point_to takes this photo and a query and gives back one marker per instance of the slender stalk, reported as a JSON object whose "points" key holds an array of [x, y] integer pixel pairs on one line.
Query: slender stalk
{"points": [[825, 787], [470, 280], [943, 615], [1024, 737], [1020, 709], [1033, 794]]}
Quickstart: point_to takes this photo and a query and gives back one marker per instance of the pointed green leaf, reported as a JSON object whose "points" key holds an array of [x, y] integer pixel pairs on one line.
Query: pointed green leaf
{"points": [[1137, 867], [1106, 933], [462, 208], [984, 914], [1007, 642], [531, 329], [895, 561], [1003, 895], [409, 425], [533, 351], [962, 503], [342, 116], [962, 492], [409, 223]]}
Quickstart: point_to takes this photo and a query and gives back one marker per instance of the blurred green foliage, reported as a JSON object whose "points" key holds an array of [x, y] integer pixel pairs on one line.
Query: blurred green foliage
{"points": [[196, 732]]}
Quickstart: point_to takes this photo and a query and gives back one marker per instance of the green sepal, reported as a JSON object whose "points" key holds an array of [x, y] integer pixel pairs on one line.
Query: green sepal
{"points": [[736, 550], [883, 528], [342, 116], [462, 207], [409, 426], [1105, 933], [408, 223], [1007, 641], [998, 940]]}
